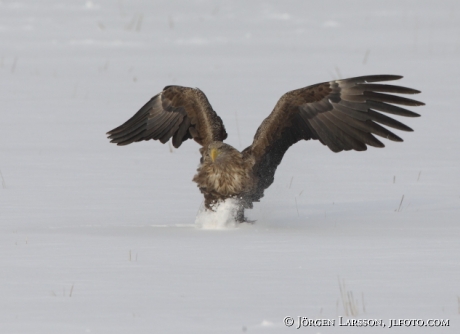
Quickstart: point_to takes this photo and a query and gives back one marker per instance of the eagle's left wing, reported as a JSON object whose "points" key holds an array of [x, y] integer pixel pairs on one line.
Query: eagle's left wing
{"points": [[342, 114]]}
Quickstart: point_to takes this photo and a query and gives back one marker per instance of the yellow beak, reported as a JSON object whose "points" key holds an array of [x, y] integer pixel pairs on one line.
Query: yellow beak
{"points": [[214, 154]]}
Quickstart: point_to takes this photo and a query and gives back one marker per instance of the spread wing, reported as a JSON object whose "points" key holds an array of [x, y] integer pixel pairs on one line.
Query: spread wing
{"points": [[342, 114], [177, 112]]}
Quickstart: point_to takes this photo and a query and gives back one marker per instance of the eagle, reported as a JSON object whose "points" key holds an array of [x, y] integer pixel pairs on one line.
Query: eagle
{"points": [[343, 115]]}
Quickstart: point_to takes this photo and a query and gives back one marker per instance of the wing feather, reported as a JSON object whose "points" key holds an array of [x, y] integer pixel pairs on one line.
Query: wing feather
{"points": [[361, 136], [391, 109], [382, 88], [182, 133], [362, 129]]}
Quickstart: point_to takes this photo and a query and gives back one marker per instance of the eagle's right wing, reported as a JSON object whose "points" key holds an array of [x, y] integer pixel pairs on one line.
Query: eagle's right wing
{"points": [[177, 112]]}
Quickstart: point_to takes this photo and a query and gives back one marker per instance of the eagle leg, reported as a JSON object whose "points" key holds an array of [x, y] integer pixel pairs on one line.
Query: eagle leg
{"points": [[240, 218]]}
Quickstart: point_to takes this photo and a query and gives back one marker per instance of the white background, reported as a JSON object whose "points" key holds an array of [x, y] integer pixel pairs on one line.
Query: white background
{"points": [[96, 238]]}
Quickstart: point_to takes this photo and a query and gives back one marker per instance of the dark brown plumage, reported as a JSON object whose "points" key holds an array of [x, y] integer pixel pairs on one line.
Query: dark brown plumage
{"points": [[341, 114]]}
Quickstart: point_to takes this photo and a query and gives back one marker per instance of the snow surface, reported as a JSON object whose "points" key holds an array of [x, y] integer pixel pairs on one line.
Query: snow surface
{"points": [[96, 238]]}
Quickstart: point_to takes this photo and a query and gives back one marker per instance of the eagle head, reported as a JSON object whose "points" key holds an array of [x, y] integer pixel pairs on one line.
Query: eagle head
{"points": [[218, 152]]}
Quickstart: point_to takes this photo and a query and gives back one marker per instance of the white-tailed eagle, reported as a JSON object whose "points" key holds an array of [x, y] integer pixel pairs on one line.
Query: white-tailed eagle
{"points": [[341, 114]]}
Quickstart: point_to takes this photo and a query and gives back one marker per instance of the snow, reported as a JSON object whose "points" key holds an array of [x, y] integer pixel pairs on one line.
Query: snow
{"points": [[96, 238], [222, 216]]}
